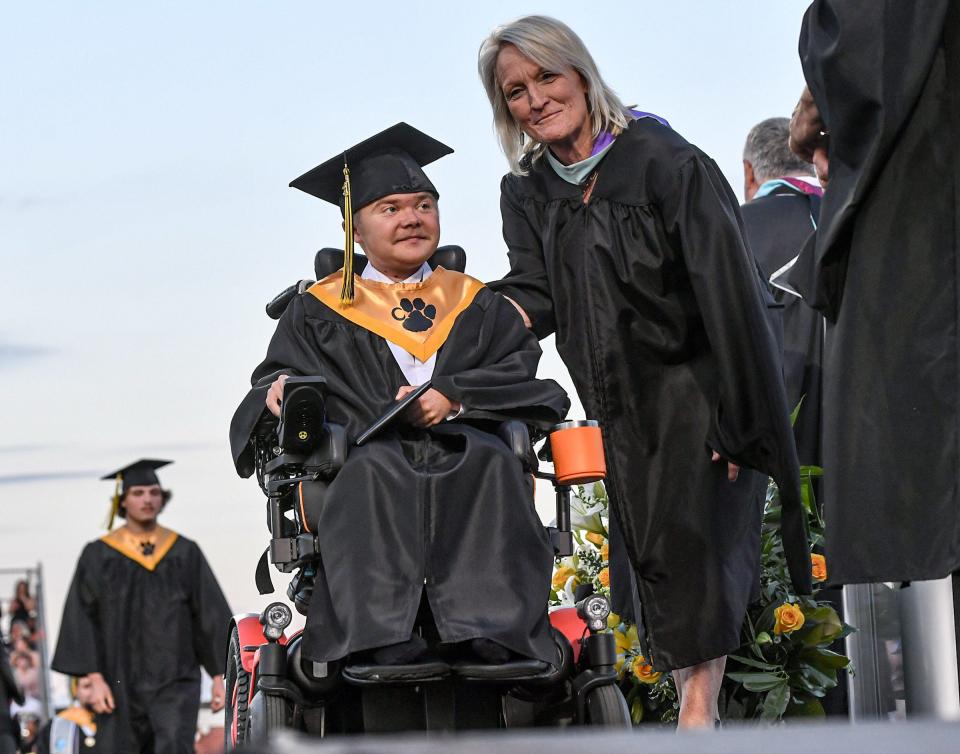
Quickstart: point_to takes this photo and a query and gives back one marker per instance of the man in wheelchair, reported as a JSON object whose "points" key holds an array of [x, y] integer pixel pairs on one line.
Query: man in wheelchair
{"points": [[433, 516]]}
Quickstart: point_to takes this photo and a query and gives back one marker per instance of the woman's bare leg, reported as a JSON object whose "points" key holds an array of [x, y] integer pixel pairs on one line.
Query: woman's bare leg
{"points": [[699, 687]]}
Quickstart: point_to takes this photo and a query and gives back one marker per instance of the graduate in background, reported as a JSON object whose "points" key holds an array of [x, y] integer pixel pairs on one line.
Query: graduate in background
{"points": [[143, 613], [74, 729], [432, 508]]}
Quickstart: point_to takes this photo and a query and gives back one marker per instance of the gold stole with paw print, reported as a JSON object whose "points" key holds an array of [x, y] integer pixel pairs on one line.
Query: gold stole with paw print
{"points": [[417, 317]]}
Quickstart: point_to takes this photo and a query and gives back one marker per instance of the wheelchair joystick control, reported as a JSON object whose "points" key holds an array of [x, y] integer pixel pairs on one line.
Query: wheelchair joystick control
{"points": [[275, 618]]}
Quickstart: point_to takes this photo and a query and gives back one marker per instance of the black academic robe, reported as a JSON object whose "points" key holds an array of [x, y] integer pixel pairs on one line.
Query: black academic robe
{"points": [[445, 511], [777, 226], [883, 269], [147, 632], [9, 692], [658, 312]]}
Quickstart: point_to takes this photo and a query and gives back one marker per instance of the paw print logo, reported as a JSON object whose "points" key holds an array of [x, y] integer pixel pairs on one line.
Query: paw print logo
{"points": [[416, 315]]}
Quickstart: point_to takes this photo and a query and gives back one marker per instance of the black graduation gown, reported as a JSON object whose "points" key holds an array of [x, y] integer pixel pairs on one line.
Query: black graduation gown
{"points": [[148, 633], [883, 269], [658, 312], [446, 511], [9, 691], [777, 226]]}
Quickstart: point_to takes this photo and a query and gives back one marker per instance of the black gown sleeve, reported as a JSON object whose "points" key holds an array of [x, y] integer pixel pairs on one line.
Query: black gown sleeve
{"points": [[211, 617], [752, 423], [9, 688], [489, 364], [865, 62], [78, 646], [285, 355], [527, 282]]}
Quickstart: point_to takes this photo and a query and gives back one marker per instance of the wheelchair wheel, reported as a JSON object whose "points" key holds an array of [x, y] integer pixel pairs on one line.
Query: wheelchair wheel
{"points": [[268, 714], [606, 707], [237, 687], [275, 708]]}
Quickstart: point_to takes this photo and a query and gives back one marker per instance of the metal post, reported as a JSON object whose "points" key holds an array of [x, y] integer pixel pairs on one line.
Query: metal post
{"points": [[930, 650], [47, 699], [865, 686]]}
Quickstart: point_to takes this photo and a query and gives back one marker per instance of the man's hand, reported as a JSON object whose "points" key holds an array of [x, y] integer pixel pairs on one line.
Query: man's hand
{"points": [[806, 127], [101, 698], [821, 163], [217, 694], [430, 408], [733, 471], [275, 395]]}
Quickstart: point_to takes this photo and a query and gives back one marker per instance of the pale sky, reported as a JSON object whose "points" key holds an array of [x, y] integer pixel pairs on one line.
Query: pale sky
{"points": [[145, 218]]}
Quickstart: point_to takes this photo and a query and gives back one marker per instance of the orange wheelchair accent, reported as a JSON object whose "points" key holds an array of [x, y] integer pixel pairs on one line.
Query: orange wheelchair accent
{"points": [[577, 448]]}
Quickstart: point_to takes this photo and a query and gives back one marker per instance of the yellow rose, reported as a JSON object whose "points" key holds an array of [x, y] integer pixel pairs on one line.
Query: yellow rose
{"points": [[787, 618], [819, 567], [605, 552], [622, 641], [594, 538], [643, 670], [604, 577], [561, 575], [613, 620]]}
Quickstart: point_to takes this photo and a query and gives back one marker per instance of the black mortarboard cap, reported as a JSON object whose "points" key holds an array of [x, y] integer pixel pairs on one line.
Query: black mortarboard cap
{"points": [[389, 163], [142, 472]]}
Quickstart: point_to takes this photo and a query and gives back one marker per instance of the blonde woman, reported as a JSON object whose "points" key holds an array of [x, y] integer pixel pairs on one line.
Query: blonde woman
{"points": [[624, 240]]}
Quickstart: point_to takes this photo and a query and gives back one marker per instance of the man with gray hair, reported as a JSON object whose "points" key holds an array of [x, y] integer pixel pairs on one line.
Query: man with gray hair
{"points": [[767, 157], [783, 203]]}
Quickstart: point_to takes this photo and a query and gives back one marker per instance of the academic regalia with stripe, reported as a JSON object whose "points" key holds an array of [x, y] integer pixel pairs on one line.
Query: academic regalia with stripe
{"points": [[145, 612], [445, 510]]}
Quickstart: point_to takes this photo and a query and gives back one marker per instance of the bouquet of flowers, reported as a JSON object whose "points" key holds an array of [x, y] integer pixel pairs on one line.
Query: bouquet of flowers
{"points": [[785, 664]]}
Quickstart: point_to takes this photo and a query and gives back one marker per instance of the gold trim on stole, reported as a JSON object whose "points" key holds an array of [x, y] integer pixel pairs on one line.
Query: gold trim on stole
{"points": [[128, 544], [79, 716], [394, 310]]}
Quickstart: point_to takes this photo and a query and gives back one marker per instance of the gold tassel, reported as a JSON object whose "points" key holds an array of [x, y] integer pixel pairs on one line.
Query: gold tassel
{"points": [[114, 502], [346, 289]]}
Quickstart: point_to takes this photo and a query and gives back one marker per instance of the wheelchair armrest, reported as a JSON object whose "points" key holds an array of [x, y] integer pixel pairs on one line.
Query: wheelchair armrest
{"points": [[326, 457], [331, 452], [517, 437]]}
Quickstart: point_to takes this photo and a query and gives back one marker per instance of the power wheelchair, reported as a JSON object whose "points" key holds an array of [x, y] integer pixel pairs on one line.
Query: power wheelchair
{"points": [[271, 686]]}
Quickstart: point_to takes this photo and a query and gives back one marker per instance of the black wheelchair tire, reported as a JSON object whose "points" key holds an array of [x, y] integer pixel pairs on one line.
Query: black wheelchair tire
{"points": [[236, 683], [606, 707], [268, 714], [276, 713]]}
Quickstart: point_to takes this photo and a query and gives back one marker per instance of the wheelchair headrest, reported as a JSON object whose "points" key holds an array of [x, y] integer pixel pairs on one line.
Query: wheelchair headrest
{"points": [[328, 261]]}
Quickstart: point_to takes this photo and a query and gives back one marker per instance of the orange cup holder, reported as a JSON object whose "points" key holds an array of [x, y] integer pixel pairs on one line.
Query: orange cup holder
{"points": [[577, 448]]}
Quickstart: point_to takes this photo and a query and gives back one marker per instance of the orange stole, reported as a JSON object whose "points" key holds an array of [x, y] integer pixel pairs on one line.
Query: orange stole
{"points": [[80, 716], [128, 544], [417, 317]]}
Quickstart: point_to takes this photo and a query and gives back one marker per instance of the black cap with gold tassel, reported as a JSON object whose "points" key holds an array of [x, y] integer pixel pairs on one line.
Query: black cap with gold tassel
{"points": [[346, 288], [389, 163]]}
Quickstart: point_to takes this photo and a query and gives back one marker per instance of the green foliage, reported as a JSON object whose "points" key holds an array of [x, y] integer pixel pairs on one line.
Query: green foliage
{"points": [[774, 674], [784, 674]]}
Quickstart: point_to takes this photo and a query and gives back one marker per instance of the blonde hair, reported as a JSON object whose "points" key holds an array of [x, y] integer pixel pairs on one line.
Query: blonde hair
{"points": [[553, 45]]}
